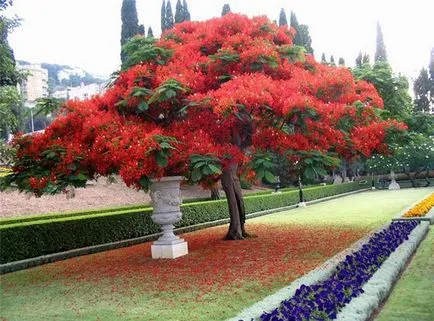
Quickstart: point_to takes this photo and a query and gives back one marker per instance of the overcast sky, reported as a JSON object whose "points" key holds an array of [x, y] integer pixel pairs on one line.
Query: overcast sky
{"points": [[86, 33]]}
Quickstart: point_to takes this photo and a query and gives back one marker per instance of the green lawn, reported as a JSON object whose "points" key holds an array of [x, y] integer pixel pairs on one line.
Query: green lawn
{"points": [[214, 282], [412, 298], [365, 210]]}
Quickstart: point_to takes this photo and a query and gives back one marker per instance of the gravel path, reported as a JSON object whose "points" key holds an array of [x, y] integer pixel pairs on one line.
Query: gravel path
{"points": [[98, 194]]}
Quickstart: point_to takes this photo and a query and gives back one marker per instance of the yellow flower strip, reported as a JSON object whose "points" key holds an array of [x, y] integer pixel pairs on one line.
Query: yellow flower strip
{"points": [[422, 208]]}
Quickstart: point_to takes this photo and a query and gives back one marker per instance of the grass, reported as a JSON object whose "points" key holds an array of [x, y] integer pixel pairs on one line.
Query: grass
{"points": [[214, 282], [412, 297]]}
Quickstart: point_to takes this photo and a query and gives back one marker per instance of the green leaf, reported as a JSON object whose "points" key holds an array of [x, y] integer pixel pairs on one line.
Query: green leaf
{"points": [[309, 173], [215, 169], [143, 106], [82, 177], [269, 177], [170, 93], [260, 174], [161, 160], [196, 175]]}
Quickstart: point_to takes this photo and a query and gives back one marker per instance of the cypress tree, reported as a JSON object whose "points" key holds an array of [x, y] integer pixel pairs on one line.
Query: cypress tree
{"points": [[341, 62], [130, 22], [163, 16], [226, 9], [332, 61], [380, 51], [302, 37], [365, 60], [179, 12], [169, 16], [141, 30], [431, 79], [323, 59], [359, 60], [150, 33], [187, 16], [421, 88], [282, 18]]}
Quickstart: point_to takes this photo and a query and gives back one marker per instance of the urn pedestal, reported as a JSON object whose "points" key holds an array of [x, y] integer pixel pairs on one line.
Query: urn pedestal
{"points": [[166, 201]]}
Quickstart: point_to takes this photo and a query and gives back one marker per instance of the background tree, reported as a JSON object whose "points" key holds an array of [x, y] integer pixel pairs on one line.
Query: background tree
{"points": [[179, 12], [150, 33], [359, 60], [380, 51], [130, 23], [422, 91], [366, 59], [169, 16], [282, 18], [324, 59], [332, 61], [164, 116], [302, 37], [392, 88], [341, 62], [163, 16], [141, 30], [226, 9], [187, 16]]}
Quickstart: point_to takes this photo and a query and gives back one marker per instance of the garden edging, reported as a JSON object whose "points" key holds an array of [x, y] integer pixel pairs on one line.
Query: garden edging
{"points": [[50, 258], [429, 217]]}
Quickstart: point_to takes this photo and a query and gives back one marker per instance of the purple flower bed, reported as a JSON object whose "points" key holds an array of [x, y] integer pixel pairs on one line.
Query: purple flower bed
{"points": [[323, 300]]}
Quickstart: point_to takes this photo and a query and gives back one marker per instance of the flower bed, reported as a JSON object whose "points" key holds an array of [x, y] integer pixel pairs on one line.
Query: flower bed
{"points": [[323, 300], [422, 208]]}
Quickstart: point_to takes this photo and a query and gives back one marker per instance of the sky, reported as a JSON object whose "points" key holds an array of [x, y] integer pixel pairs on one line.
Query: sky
{"points": [[86, 33]]}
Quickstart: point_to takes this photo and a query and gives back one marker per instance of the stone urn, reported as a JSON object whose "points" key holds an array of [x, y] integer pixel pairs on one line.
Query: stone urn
{"points": [[393, 184], [165, 195]]}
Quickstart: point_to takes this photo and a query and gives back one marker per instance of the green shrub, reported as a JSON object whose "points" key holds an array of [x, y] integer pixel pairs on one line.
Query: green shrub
{"points": [[30, 238]]}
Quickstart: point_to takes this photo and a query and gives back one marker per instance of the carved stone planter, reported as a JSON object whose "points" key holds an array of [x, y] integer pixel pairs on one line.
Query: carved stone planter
{"points": [[165, 195]]}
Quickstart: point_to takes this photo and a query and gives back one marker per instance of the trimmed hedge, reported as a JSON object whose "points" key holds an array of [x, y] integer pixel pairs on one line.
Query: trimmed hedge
{"points": [[21, 240]]}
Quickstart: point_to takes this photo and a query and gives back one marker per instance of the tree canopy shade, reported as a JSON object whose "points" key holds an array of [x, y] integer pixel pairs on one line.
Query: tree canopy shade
{"points": [[208, 100], [130, 23]]}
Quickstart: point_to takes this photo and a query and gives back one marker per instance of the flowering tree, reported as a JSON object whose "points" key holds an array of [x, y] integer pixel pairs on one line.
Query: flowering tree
{"points": [[207, 101]]}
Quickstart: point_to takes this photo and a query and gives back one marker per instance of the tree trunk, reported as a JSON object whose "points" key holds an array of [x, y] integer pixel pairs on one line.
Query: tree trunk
{"points": [[412, 180], [232, 187], [215, 193], [428, 182]]}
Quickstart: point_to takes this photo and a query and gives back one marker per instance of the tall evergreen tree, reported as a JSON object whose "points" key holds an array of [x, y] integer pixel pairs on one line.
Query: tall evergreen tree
{"points": [[226, 9], [141, 30], [302, 36], [366, 59], [179, 12], [380, 51], [169, 16], [187, 16], [332, 61], [421, 88], [282, 18], [431, 79], [130, 22], [359, 60], [323, 59], [341, 62], [150, 33], [163, 16]]}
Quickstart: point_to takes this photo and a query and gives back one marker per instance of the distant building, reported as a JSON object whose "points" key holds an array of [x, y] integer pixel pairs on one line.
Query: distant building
{"points": [[36, 85], [82, 92]]}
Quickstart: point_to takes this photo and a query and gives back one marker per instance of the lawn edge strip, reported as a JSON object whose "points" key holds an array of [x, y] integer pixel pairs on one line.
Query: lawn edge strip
{"points": [[50, 258], [378, 287], [320, 273]]}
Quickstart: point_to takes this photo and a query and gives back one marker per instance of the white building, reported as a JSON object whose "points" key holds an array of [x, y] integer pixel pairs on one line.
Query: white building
{"points": [[82, 92], [36, 85]]}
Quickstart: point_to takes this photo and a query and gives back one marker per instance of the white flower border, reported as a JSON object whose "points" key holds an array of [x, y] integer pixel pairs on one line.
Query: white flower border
{"points": [[376, 289]]}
